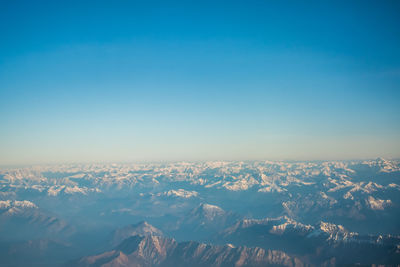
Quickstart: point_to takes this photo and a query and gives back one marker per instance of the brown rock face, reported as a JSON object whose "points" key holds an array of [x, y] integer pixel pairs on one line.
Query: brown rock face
{"points": [[143, 251]]}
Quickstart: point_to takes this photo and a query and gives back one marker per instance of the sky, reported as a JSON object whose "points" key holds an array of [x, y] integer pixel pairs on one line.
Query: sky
{"points": [[101, 81]]}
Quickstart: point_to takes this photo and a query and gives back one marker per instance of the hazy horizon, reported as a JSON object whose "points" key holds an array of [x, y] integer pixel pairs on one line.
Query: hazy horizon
{"points": [[199, 133], [156, 162]]}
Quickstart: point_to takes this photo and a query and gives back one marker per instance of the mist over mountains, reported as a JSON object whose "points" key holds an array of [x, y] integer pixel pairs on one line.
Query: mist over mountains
{"points": [[137, 133], [202, 214]]}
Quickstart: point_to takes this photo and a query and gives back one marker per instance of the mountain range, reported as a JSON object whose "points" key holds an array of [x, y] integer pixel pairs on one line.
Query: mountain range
{"points": [[328, 213]]}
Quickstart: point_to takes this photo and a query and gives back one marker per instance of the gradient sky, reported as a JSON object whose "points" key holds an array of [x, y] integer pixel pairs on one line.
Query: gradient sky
{"points": [[168, 80]]}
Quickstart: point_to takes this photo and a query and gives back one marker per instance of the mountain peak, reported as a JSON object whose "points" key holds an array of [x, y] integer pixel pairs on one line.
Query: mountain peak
{"points": [[161, 251], [142, 224], [206, 206], [334, 232], [142, 228], [208, 211]]}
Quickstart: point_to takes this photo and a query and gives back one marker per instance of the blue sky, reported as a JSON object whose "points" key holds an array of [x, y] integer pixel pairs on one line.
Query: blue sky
{"points": [[170, 80]]}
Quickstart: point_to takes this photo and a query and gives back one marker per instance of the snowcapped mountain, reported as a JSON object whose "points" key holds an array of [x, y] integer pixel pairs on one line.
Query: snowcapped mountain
{"points": [[141, 228], [382, 165], [207, 212], [317, 210], [333, 240], [276, 226], [179, 193], [333, 232], [204, 220], [12, 207], [23, 219]]}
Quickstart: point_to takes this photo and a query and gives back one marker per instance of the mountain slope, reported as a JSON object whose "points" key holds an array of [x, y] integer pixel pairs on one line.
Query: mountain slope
{"points": [[319, 243], [142, 228], [24, 220], [204, 221], [143, 251]]}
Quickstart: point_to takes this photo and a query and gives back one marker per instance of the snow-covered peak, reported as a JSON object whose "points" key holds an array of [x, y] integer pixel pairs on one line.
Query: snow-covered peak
{"points": [[142, 228], [5, 204], [210, 208], [180, 193], [14, 207], [276, 226], [24, 204], [288, 223], [208, 211], [333, 232], [383, 165], [378, 204]]}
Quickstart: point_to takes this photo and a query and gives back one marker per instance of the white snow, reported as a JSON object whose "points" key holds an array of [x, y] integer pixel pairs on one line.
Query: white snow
{"points": [[378, 204]]}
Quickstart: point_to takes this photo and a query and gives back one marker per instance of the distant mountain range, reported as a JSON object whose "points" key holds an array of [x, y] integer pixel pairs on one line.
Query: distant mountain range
{"points": [[211, 213]]}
